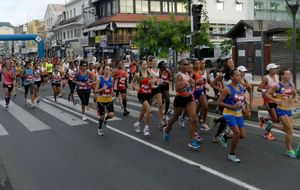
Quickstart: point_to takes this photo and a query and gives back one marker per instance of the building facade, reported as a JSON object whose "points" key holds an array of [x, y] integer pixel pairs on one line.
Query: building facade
{"points": [[68, 30], [224, 14], [51, 16], [6, 47], [114, 30], [275, 10]]}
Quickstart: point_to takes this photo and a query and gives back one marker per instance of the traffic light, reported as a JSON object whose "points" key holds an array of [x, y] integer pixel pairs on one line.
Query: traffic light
{"points": [[196, 16]]}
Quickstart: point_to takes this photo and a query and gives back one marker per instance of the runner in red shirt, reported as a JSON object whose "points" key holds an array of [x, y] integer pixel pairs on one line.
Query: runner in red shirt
{"points": [[120, 84]]}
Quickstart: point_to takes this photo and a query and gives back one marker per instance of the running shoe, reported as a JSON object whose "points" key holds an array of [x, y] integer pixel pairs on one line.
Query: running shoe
{"points": [[222, 141], [146, 131], [298, 152], [214, 139], [162, 124], [69, 97], [137, 127], [125, 113], [198, 137], [228, 132], [233, 158], [100, 132], [291, 153], [194, 144], [261, 122], [6, 106], [165, 118], [269, 126], [181, 121], [166, 135], [269, 136], [204, 127], [84, 118]]}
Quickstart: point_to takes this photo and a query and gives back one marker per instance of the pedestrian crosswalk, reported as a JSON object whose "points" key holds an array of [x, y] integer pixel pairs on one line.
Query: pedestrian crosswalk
{"points": [[30, 119]]}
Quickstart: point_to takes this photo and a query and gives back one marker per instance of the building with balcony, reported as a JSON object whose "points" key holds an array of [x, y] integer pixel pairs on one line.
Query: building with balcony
{"points": [[275, 10], [68, 30], [51, 16], [114, 30]]}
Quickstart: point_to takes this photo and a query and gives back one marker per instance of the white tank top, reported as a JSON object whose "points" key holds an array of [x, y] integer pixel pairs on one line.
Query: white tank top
{"points": [[272, 82]]}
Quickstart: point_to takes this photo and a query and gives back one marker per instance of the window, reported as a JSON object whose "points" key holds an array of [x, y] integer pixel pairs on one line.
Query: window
{"points": [[114, 7], [126, 6], [239, 7], [71, 14], [74, 12], [171, 7], [68, 34], [165, 7], [75, 34], [141, 6], [71, 33], [220, 5], [64, 35], [258, 5], [155, 6], [67, 14], [108, 9], [102, 10], [181, 8]]}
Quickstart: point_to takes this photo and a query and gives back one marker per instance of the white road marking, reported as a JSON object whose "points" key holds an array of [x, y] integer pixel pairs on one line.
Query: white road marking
{"points": [[91, 112], [174, 155], [29, 121], [3, 131], [60, 115]]}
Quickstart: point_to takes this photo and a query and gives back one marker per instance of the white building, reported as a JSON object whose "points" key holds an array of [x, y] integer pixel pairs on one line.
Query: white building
{"points": [[224, 14], [68, 30], [51, 17]]}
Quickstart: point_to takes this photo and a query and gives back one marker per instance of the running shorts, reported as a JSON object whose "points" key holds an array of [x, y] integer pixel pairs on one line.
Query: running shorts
{"points": [[181, 102], [234, 121], [109, 106], [144, 97], [281, 112]]}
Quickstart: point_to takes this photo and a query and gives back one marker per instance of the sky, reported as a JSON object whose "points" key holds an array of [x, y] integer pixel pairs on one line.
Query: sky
{"points": [[21, 11]]}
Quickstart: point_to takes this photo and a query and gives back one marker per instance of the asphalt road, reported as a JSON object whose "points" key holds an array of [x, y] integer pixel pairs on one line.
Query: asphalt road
{"points": [[49, 147]]}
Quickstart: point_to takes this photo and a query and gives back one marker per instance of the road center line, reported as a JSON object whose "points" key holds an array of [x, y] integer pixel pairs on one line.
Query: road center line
{"points": [[174, 155]]}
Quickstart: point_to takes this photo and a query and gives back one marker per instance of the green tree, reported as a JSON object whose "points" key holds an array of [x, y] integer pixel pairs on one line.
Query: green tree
{"points": [[290, 38], [157, 37], [226, 46]]}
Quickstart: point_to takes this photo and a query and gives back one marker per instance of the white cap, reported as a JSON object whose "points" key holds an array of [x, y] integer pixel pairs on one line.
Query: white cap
{"points": [[272, 66], [242, 68]]}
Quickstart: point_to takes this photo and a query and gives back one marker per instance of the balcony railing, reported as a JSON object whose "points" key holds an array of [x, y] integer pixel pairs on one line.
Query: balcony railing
{"points": [[119, 39]]}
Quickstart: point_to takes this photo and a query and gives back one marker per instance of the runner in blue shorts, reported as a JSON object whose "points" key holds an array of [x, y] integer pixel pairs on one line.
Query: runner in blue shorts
{"points": [[233, 99]]}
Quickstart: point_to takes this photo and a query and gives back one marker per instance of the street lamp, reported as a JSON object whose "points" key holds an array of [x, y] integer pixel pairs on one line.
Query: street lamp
{"points": [[293, 5]]}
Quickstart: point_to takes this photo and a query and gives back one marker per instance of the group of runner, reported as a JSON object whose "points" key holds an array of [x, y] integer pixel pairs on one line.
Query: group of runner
{"points": [[151, 81]]}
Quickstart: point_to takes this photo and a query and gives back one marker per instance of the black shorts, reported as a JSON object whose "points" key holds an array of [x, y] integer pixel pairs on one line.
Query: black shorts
{"points": [[156, 91], [120, 92], [9, 88], [164, 87], [144, 97], [108, 105], [84, 96], [55, 84], [181, 102], [38, 83], [272, 106]]}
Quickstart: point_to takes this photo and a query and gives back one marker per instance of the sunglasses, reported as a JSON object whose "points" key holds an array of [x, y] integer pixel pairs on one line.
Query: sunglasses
{"points": [[186, 64]]}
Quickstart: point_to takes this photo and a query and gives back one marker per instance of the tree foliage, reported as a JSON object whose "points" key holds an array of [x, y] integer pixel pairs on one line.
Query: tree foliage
{"points": [[226, 46], [157, 37], [290, 38]]}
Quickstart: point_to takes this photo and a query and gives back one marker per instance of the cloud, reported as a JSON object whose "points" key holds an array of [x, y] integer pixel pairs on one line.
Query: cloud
{"points": [[19, 12]]}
